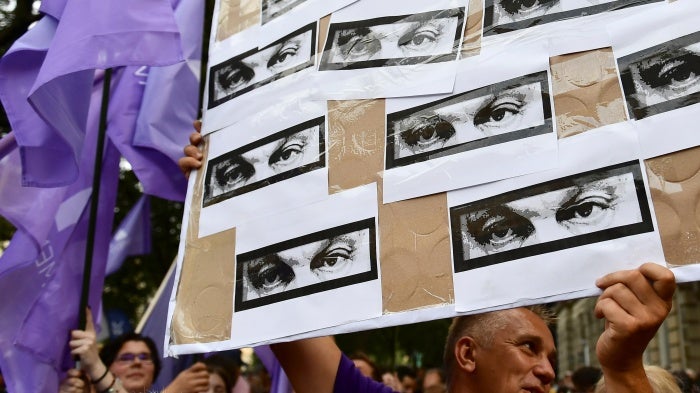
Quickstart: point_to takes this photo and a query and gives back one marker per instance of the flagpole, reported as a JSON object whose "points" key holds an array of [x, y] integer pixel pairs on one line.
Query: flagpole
{"points": [[92, 223], [206, 33]]}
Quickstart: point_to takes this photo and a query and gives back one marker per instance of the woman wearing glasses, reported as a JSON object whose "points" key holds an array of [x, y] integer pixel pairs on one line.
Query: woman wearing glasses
{"points": [[128, 364]]}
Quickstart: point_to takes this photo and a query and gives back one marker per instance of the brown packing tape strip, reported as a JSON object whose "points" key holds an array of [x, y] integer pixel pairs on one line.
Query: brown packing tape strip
{"points": [[236, 16], [204, 300], [674, 181], [414, 238], [471, 44], [586, 91]]}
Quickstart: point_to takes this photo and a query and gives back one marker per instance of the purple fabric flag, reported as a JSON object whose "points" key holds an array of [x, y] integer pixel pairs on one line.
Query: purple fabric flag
{"points": [[153, 326], [170, 101], [44, 285], [90, 35], [48, 270], [132, 237], [280, 382]]}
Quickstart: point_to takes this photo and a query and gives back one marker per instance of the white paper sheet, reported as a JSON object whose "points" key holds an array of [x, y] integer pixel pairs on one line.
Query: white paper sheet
{"points": [[376, 49], [298, 178], [498, 125], [569, 25], [301, 13], [246, 78], [317, 310], [603, 207], [657, 66]]}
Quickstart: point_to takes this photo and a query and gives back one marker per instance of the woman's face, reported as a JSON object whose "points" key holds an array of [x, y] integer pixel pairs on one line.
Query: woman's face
{"points": [[216, 384], [133, 365]]}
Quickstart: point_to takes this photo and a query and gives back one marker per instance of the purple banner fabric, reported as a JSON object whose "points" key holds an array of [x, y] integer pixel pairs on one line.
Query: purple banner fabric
{"points": [[170, 102], [280, 382], [154, 327], [36, 327], [132, 237], [90, 35]]}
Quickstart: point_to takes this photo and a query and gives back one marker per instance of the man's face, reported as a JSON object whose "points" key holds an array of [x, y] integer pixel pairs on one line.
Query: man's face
{"points": [[519, 359], [133, 366]]}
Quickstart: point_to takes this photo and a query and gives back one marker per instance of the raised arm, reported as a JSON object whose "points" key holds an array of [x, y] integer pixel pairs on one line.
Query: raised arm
{"points": [[634, 304], [311, 365]]}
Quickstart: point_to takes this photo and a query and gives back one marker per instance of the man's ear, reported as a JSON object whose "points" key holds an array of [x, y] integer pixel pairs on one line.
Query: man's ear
{"points": [[465, 354]]}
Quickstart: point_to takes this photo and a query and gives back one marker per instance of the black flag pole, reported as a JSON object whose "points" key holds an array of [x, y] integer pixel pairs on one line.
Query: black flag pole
{"points": [[94, 199], [206, 34]]}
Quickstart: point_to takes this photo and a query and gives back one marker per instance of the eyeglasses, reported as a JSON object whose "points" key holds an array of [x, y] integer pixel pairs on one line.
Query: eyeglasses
{"points": [[131, 357]]}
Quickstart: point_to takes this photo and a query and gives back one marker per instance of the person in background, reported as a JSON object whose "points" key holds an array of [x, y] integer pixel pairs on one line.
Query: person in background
{"points": [[220, 376], [585, 379], [366, 366], [661, 381], [407, 379], [433, 379], [128, 364]]}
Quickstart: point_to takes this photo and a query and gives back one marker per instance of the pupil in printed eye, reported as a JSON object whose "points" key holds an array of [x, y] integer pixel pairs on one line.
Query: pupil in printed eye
{"points": [[428, 133], [418, 40], [271, 276], [585, 210], [286, 154], [499, 114], [501, 233], [529, 3]]}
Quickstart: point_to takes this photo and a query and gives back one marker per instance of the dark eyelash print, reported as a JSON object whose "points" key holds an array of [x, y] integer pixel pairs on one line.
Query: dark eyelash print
{"points": [[498, 108], [507, 223], [269, 272], [234, 75], [290, 146], [669, 70], [233, 170], [433, 128], [286, 50], [514, 7], [345, 36]]}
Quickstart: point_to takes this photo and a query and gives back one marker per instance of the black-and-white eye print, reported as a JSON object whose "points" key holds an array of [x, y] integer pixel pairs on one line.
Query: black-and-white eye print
{"points": [[313, 263], [454, 124], [428, 37], [271, 9], [281, 156], [595, 206], [502, 16], [662, 78], [509, 11], [259, 67]]}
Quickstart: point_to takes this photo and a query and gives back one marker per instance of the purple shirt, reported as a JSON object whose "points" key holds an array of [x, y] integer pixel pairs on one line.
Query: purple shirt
{"points": [[350, 380]]}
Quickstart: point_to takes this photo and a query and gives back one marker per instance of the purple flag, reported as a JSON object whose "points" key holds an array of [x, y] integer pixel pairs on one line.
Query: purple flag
{"points": [[90, 35], [280, 382], [132, 237], [44, 285], [47, 266], [153, 326], [170, 101]]}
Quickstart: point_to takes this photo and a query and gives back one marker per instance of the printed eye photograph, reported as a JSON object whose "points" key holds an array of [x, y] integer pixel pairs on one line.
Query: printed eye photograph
{"points": [[452, 125], [594, 206], [662, 78], [279, 157], [259, 67], [313, 263], [509, 11], [501, 16], [428, 37], [272, 9]]}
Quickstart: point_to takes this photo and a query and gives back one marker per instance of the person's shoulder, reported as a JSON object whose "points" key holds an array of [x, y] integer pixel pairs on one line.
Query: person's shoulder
{"points": [[350, 380]]}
